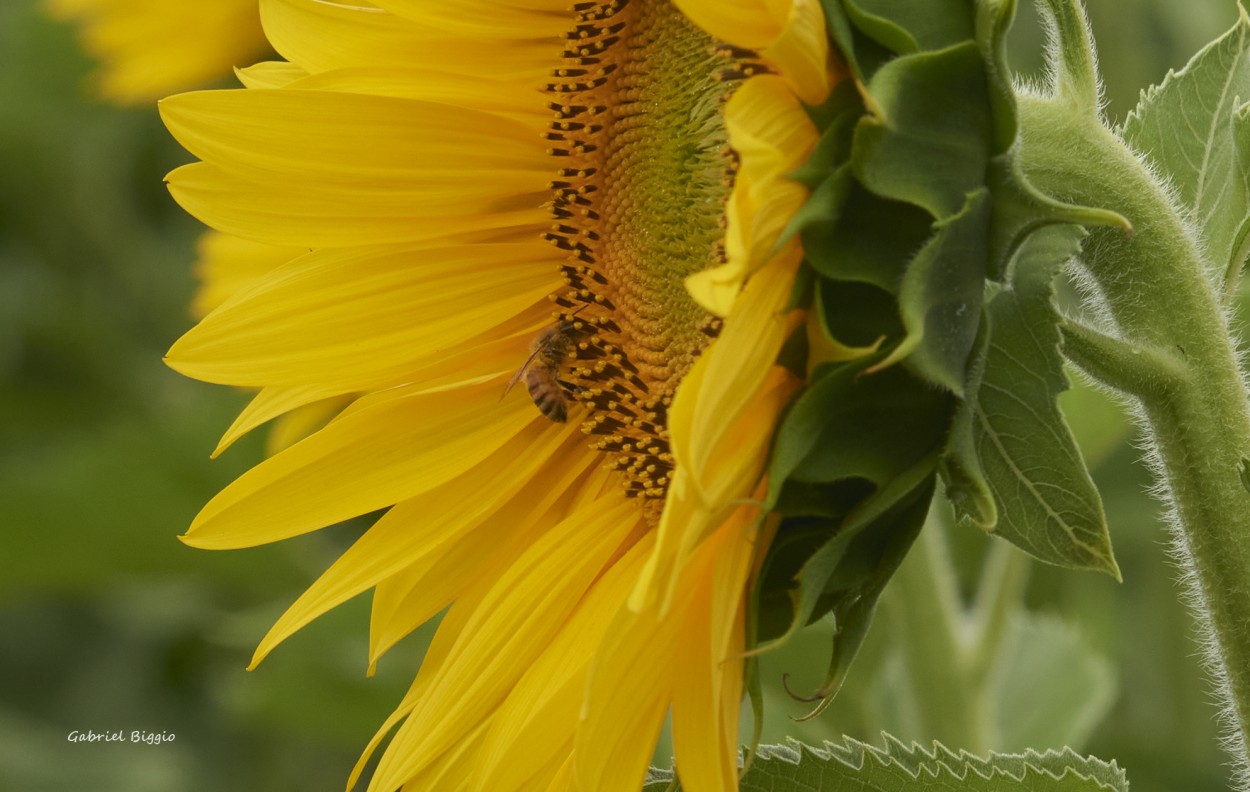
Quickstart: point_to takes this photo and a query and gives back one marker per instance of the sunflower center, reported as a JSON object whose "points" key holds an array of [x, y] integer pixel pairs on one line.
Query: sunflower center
{"points": [[639, 204]]}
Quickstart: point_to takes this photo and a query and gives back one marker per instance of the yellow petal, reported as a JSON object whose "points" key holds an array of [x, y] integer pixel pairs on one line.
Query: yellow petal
{"points": [[731, 376], [523, 104], [562, 779], [769, 128], [537, 722], [801, 52], [297, 424], [281, 212], [383, 449], [512, 625], [630, 686], [314, 135], [773, 136], [321, 36], [717, 288], [690, 516], [721, 422], [151, 49], [496, 20], [270, 74], [707, 693], [446, 774], [498, 350], [753, 24], [227, 265], [423, 530], [359, 318], [789, 34], [403, 603], [389, 622], [450, 628], [269, 404], [571, 484]]}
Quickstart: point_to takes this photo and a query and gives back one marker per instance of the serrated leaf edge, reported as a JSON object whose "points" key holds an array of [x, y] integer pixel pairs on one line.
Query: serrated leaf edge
{"points": [[937, 760]]}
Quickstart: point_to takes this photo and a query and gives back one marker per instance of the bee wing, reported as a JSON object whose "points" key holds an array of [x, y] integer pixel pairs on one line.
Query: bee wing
{"points": [[521, 371]]}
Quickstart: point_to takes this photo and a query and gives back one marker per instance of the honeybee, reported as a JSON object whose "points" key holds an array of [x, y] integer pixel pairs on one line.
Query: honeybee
{"points": [[541, 370]]}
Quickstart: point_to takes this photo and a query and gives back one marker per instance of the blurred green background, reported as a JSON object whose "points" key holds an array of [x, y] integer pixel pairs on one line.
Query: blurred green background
{"points": [[109, 623]]}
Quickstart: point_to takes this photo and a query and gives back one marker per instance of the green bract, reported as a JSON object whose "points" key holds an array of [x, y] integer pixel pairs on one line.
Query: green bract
{"points": [[923, 235]]}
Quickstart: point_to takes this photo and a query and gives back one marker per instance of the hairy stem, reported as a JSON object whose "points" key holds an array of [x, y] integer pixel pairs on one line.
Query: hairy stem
{"points": [[1135, 369], [1156, 293]]}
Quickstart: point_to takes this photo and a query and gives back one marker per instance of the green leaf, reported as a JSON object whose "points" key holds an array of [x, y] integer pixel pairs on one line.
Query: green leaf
{"points": [[780, 619], [853, 766], [863, 237], [940, 299], [828, 500], [853, 466], [818, 217], [1070, 58], [1187, 127], [862, 54], [966, 487], [992, 24], [870, 560], [1240, 252], [1045, 654], [824, 564], [1098, 422], [856, 314], [906, 26], [927, 139], [1047, 503], [881, 29], [850, 424], [802, 291], [836, 118]]}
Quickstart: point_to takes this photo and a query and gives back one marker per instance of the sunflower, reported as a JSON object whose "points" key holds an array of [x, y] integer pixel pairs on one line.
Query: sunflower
{"points": [[588, 203], [151, 47]]}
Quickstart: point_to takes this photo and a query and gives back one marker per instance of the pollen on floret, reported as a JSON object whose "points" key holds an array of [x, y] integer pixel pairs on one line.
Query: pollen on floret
{"points": [[638, 204]]}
